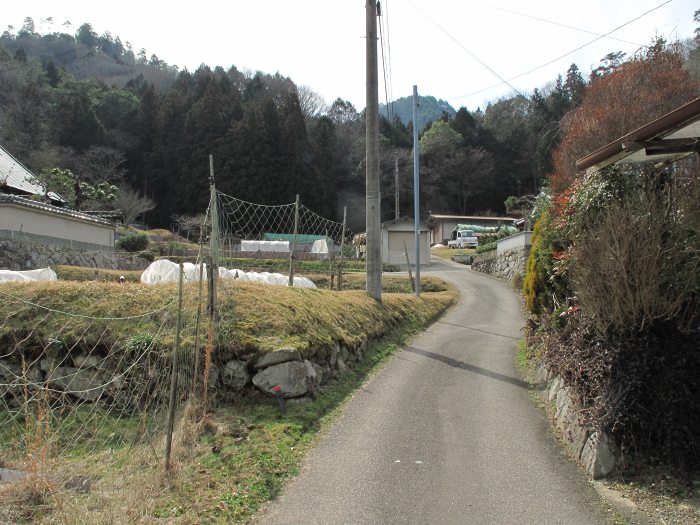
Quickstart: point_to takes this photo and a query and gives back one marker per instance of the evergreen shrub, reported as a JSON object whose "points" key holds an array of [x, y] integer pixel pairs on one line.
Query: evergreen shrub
{"points": [[133, 242]]}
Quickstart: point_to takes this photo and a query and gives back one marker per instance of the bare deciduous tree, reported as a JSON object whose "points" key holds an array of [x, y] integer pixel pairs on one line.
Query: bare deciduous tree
{"points": [[132, 204], [312, 104], [100, 163]]}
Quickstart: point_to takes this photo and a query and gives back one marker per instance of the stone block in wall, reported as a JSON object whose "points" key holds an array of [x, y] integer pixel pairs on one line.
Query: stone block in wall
{"points": [[87, 384], [557, 385], [289, 376], [278, 356], [234, 375], [314, 375], [599, 455]]}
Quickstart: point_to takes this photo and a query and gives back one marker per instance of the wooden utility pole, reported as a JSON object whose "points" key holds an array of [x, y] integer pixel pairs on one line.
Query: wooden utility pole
{"points": [[372, 199]]}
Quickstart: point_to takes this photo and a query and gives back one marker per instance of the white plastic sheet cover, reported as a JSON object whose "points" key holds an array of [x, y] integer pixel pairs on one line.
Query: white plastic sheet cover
{"points": [[41, 274], [165, 271], [320, 246], [265, 246]]}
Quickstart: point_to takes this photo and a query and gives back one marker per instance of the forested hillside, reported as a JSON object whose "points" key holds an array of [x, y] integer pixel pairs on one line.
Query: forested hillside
{"points": [[430, 109], [90, 104]]}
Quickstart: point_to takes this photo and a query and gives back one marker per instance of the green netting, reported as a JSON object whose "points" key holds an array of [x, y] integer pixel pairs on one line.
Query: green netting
{"points": [[300, 238], [503, 230]]}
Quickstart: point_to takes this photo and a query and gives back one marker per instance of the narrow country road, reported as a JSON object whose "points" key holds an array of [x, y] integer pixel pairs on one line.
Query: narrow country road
{"points": [[445, 433]]}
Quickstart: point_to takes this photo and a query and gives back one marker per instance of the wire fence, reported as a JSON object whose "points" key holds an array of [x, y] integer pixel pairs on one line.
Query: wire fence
{"points": [[84, 398], [94, 378]]}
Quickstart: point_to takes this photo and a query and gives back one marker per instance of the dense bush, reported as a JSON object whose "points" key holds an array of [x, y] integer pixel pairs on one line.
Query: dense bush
{"points": [[488, 247], [614, 276], [133, 242]]}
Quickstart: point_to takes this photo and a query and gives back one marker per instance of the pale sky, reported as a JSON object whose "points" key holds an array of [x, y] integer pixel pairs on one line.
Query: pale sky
{"points": [[433, 43]]}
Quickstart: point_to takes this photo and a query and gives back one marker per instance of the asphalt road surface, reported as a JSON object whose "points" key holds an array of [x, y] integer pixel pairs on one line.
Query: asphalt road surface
{"points": [[445, 433]]}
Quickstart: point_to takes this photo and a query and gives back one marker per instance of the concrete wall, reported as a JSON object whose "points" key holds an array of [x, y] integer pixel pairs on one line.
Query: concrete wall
{"points": [[519, 241], [19, 221]]}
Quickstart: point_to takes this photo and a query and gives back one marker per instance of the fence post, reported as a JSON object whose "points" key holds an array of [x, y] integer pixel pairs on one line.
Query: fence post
{"points": [[408, 266], [212, 274], [196, 330], [173, 377], [197, 353], [294, 242], [342, 250]]}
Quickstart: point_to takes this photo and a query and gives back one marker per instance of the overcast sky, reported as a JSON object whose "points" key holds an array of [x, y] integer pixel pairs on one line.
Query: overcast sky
{"points": [[445, 47]]}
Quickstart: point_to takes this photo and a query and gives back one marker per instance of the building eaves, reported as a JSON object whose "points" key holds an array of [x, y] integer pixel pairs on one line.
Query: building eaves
{"points": [[670, 137], [27, 203]]}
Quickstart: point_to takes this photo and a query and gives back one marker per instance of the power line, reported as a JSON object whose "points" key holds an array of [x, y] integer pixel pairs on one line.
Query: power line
{"points": [[562, 56], [384, 65], [435, 23], [552, 22], [388, 43]]}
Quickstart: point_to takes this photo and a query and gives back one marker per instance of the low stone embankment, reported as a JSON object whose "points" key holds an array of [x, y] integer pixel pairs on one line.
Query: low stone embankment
{"points": [[594, 449], [91, 378], [23, 255], [504, 266]]}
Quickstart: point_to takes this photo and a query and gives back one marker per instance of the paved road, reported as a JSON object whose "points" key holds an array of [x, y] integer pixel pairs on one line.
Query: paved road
{"points": [[445, 433]]}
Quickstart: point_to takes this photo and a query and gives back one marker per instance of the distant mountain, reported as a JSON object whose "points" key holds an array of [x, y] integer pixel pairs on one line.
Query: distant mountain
{"points": [[430, 109]]}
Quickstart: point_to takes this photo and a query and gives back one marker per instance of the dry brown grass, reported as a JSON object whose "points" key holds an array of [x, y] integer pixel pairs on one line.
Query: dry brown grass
{"points": [[81, 273], [637, 266], [128, 484]]}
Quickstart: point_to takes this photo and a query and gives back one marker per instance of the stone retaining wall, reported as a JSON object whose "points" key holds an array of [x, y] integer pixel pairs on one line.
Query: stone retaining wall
{"points": [[593, 448], [504, 266], [24, 255], [92, 377]]}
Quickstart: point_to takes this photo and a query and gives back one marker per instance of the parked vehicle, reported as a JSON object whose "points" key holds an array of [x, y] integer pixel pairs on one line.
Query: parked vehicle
{"points": [[463, 239]]}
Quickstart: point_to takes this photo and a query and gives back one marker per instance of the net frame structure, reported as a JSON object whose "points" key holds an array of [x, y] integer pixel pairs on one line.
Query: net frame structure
{"points": [[262, 237]]}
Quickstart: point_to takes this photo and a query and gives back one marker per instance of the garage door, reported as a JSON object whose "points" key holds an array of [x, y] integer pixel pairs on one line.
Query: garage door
{"points": [[396, 247]]}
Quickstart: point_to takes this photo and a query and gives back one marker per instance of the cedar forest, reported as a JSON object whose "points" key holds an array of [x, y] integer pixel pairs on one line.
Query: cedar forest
{"points": [[90, 104]]}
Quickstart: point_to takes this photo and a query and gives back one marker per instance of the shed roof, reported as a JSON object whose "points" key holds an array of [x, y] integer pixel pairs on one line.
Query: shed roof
{"points": [[65, 212], [666, 139], [405, 218], [464, 218], [15, 175]]}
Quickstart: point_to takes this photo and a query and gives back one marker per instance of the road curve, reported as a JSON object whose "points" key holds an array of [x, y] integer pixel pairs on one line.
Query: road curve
{"points": [[446, 432]]}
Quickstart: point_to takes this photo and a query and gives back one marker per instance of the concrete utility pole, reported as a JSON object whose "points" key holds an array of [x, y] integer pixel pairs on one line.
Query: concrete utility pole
{"points": [[397, 214], [416, 186], [372, 199]]}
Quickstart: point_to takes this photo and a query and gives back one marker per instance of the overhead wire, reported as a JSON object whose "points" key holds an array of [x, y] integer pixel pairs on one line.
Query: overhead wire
{"points": [[384, 60], [388, 45], [469, 52], [562, 56], [553, 22]]}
